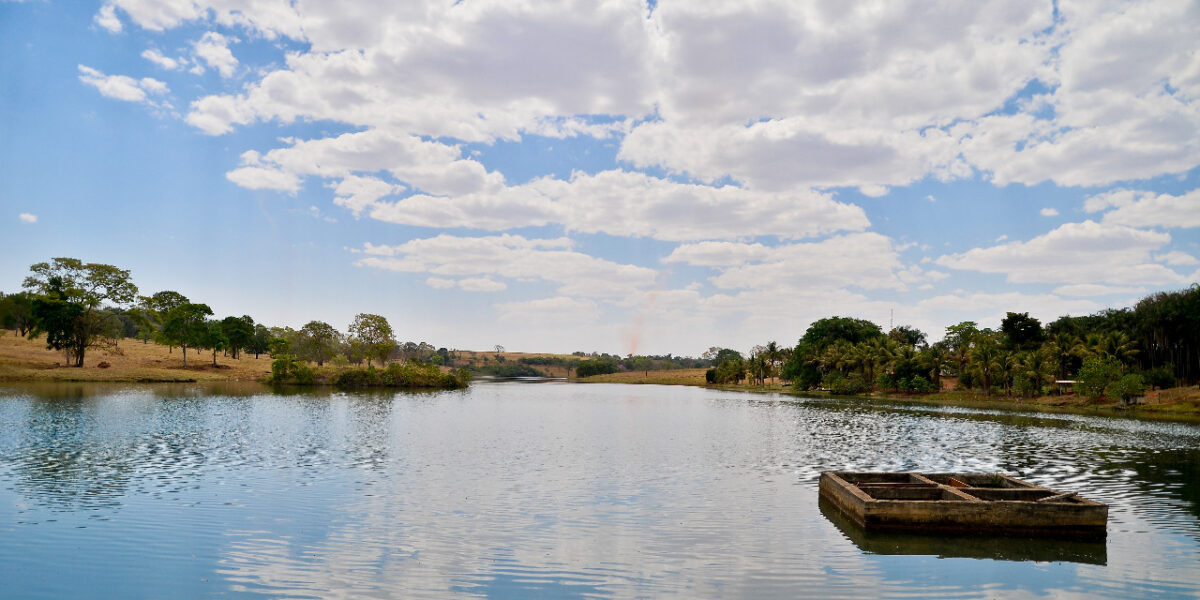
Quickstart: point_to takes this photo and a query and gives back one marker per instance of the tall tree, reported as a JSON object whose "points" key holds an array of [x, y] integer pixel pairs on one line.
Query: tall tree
{"points": [[86, 286], [1021, 331], [212, 337], [16, 312], [238, 332], [186, 325], [318, 342], [374, 335]]}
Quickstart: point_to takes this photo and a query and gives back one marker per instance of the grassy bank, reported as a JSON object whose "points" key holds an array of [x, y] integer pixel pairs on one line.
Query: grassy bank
{"points": [[1182, 404], [129, 361]]}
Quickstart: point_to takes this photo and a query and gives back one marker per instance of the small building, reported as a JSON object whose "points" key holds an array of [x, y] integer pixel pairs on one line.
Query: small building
{"points": [[1065, 386]]}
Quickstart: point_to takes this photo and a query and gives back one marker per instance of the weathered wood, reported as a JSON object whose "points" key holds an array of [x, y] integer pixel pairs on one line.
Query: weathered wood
{"points": [[950, 501], [1057, 497]]}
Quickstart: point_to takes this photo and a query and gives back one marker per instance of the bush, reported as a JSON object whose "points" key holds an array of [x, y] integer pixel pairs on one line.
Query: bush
{"points": [[1096, 375], [1161, 377], [1126, 388], [849, 386], [884, 381], [588, 368], [710, 376], [920, 385], [411, 375]]}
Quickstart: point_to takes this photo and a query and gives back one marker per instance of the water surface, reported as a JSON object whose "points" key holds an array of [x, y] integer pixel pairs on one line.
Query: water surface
{"points": [[553, 490]]}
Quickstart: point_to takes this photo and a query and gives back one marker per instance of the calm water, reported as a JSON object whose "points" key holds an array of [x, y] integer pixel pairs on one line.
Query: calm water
{"points": [[552, 490]]}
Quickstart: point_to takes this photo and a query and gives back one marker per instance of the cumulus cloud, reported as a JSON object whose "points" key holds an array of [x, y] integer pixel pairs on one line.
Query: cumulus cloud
{"points": [[121, 87], [478, 259], [862, 260], [157, 58], [213, 48], [1048, 212], [27, 218], [107, 18], [1147, 209], [1075, 253], [1092, 289]]}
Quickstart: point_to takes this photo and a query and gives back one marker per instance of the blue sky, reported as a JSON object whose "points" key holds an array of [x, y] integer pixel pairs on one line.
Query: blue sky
{"points": [[568, 176]]}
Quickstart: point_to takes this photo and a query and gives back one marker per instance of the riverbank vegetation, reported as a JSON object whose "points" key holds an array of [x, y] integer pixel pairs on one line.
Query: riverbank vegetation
{"points": [[77, 309]]}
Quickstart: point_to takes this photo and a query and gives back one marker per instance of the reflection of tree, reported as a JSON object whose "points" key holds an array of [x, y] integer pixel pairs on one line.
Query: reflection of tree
{"points": [[62, 466]]}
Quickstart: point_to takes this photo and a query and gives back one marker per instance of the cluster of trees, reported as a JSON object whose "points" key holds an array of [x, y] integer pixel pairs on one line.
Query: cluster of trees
{"points": [[78, 306], [729, 366], [1114, 353]]}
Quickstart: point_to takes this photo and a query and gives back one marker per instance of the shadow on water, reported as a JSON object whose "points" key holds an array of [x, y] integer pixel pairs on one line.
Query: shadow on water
{"points": [[966, 545]]}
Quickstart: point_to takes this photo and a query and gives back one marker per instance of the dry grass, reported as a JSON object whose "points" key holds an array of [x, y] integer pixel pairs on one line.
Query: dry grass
{"points": [[28, 360], [667, 377]]}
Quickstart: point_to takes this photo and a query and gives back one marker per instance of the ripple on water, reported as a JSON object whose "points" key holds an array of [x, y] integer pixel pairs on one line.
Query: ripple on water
{"points": [[555, 491]]}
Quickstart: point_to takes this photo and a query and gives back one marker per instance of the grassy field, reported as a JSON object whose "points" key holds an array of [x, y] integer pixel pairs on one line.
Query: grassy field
{"points": [[131, 360]]}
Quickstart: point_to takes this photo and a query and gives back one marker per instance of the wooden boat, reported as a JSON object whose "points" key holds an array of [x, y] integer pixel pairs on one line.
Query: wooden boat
{"points": [[961, 501]]}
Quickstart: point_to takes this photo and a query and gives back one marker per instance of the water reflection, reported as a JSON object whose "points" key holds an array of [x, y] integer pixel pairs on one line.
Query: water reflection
{"points": [[553, 490], [950, 545]]}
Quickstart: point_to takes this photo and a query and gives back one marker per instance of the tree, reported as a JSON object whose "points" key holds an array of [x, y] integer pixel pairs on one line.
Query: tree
{"points": [[86, 286], [374, 335], [958, 339], [238, 332], [642, 363], [1038, 367], [1021, 331], [984, 355], [213, 338], [908, 336], [186, 325], [16, 312], [318, 342], [261, 341], [153, 309]]}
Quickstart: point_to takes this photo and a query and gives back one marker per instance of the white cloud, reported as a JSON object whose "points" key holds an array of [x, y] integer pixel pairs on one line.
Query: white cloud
{"points": [[863, 260], [1177, 258], [214, 49], [107, 18], [1085, 252], [556, 310], [481, 284], [27, 218], [1092, 289], [157, 58], [512, 257], [440, 283], [1048, 212], [1147, 209], [121, 87]]}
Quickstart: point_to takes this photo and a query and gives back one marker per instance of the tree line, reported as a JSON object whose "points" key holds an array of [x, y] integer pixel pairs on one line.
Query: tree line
{"points": [[78, 306]]}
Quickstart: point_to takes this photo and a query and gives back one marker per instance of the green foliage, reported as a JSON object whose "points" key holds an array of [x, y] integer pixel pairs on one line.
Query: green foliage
{"points": [[1129, 386], [186, 326], [16, 312], [373, 335], [239, 333], [1021, 331], [318, 341], [279, 345], [885, 381], [908, 336], [842, 385], [69, 282], [410, 375], [598, 366], [1162, 376], [509, 370], [1096, 375], [286, 369]]}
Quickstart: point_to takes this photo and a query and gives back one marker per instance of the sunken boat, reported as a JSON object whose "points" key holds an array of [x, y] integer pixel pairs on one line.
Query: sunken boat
{"points": [[994, 503]]}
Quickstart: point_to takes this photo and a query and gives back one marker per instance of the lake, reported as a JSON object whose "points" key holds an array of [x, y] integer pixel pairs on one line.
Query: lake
{"points": [[553, 490]]}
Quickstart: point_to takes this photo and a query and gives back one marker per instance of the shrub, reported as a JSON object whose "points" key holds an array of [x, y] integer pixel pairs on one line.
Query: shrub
{"points": [[1096, 375], [1126, 388], [884, 381], [851, 385], [1162, 376]]}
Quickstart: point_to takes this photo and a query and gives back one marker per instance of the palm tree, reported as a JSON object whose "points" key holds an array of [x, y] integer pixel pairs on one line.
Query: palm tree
{"points": [[772, 357], [1007, 367], [1061, 346], [983, 356], [934, 359], [1038, 366]]}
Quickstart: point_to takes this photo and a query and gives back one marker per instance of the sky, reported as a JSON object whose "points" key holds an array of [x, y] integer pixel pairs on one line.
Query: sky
{"points": [[613, 176]]}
